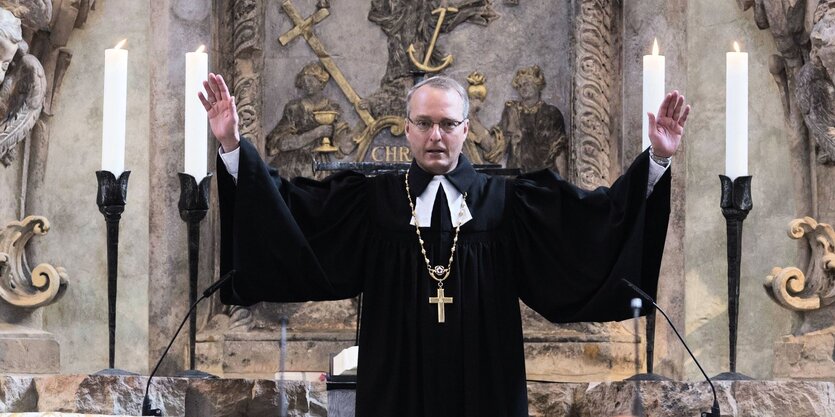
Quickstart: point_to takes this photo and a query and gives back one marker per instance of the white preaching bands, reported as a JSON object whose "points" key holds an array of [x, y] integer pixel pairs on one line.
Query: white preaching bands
{"points": [[425, 202]]}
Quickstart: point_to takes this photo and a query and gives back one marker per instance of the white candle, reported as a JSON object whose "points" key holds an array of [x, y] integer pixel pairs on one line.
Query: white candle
{"points": [[196, 121], [114, 110], [736, 114], [653, 89]]}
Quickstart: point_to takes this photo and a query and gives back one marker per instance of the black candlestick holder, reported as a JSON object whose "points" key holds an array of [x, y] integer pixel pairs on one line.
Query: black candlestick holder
{"points": [[193, 205], [111, 197], [735, 203]]}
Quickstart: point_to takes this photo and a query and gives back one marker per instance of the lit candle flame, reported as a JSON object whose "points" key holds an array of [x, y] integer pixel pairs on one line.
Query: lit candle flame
{"points": [[736, 46], [121, 44], [655, 47], [201, 49]]}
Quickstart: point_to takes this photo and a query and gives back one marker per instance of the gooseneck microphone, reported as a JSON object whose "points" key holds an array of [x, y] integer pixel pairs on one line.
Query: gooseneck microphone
{"points": [[714, 409], [146, 401]]}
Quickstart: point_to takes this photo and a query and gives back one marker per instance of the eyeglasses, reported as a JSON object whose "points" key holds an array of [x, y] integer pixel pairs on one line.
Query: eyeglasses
{"points": [[424, 125]]}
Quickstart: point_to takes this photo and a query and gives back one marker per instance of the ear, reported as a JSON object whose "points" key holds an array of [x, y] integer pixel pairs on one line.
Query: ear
{"points": [[466, 127]]}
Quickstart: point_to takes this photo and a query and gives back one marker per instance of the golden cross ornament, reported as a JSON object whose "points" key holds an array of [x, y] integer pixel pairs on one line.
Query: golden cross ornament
{"points": [[440, 300]]}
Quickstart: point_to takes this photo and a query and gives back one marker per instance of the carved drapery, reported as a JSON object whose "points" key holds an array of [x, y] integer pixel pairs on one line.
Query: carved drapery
{"points": [[592, 91], [20, 286], [815, 288]]}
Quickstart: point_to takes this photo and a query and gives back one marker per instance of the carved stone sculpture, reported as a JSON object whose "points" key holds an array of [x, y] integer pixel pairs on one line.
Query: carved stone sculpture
{"points": [[411, 23], [814, 288], [292, 141], [815, 90], [19, 285], [804, 33], [535, 130], [33, 80], [807, 352], [22, 90], [482, 145]]}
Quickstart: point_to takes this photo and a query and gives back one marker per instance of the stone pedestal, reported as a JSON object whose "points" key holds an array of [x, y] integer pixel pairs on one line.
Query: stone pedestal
{"points": [[806, 357], [29, 351]]}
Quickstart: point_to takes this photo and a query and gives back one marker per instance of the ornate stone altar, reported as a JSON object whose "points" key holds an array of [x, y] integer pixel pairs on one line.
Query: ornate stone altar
{"points": [[541, 111]]}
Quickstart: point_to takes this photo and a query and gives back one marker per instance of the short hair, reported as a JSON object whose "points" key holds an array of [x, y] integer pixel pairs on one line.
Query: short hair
{"points": [[444, 83], [534, 73], [316, 69], [10, 26]]}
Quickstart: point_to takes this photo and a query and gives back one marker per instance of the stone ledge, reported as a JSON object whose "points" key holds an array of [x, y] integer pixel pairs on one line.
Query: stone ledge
{"points": [[122, 395]]}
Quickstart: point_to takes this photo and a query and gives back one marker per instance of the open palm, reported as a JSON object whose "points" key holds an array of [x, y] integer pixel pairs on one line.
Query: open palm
{"points": [[221, 111], [666, 130]]}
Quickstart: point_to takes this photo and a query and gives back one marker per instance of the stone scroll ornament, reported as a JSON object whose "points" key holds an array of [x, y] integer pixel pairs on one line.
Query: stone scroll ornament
{"points": [[20, 286], [815, 288]]}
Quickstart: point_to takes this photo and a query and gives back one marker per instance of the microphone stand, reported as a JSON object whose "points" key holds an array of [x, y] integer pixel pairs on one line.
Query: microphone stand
{"points": [[714, 409], [637, 402], [146, 400]]}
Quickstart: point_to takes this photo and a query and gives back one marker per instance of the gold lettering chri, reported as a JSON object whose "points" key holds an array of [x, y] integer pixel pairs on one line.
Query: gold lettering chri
{"points": [[391, 154]]}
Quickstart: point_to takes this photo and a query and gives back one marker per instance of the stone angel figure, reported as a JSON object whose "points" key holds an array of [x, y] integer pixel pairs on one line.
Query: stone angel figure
{"points": [[816, 91], [22, 87]]}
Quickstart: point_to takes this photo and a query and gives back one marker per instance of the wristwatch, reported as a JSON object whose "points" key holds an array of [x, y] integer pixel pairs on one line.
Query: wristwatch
{"points": [[660, 160]]}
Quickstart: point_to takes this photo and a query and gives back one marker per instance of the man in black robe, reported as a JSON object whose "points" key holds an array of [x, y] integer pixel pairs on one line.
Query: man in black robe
{"points": [[438, 342]]}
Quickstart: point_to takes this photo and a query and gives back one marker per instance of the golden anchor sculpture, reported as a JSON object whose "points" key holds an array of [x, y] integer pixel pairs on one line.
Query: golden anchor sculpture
{"points": [[424, 66]]}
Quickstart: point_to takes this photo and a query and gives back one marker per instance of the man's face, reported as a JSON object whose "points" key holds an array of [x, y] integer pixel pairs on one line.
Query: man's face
{"points": [[436, 150]]}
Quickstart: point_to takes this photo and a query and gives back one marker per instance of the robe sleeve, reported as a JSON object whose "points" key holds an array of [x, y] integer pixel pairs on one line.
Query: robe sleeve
{"points": [[574, 246], [290, 241]]}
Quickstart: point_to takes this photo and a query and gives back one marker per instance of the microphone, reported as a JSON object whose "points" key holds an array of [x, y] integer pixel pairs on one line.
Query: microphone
{"points": [[636, 314], [146, 401], [637, 402], [714, 409]]}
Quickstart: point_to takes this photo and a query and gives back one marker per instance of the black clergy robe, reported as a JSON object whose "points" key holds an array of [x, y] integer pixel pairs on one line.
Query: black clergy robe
{"points": [[561, 250]]}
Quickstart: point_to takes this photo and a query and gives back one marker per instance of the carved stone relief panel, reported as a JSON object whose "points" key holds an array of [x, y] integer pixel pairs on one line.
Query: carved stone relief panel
{"points": [[326, 82]]}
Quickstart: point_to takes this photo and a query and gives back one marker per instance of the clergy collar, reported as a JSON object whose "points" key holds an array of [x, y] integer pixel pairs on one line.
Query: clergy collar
{"points": [[461, 177]]}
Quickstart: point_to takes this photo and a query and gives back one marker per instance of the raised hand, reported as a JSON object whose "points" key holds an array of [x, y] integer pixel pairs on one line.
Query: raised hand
{"points": [[665, 131], [222, 112]]}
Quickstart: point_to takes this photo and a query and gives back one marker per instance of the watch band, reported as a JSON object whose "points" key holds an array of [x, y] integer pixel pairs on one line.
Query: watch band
{"points": [[660, 160]]}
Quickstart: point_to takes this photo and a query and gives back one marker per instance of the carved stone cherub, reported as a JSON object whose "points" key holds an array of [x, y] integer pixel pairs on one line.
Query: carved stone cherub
{"points": [[534, 130], [22, 88]]}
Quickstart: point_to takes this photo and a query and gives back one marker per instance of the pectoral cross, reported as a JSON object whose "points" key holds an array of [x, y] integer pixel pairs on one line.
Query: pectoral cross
{"points": [[440, 300]]}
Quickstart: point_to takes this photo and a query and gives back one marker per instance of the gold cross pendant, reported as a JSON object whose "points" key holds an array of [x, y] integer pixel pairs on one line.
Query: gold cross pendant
{"points": [[440, 300]]}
